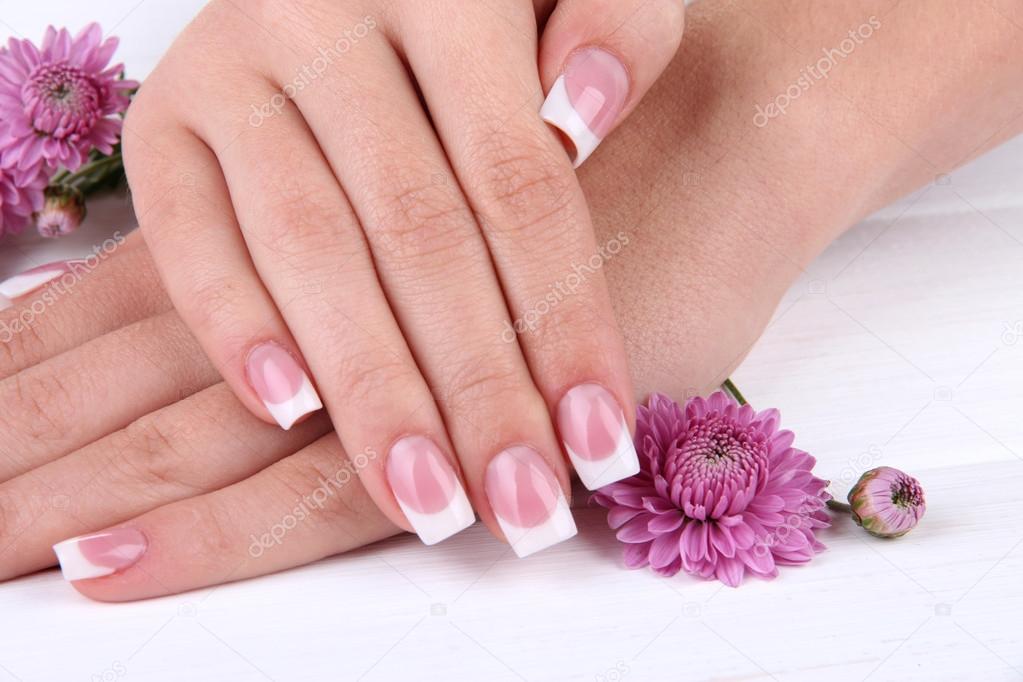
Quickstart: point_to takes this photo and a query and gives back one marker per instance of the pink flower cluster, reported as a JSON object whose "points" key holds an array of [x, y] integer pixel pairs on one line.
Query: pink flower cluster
{"points": [[57, 104], [721, 493]]}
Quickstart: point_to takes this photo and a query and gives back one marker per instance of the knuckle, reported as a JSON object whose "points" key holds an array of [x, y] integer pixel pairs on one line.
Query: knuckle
{"points": [[21, 339], [215, 303], [575, 329], [522, 187], [480, 381], [416, 218], [366, 377], [152, 453], [217, 543], [322, 484], [303, 220], [45, 404]]}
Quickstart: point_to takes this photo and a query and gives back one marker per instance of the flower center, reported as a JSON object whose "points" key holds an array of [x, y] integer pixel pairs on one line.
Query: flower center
{"points": [[716, 460], [62, 100], [906, 493]]}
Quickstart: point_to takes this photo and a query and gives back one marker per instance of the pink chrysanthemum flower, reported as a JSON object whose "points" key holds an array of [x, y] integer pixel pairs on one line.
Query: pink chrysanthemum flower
{"points": [[887, 502], [21, 194], [59, 102], [721, 493]]}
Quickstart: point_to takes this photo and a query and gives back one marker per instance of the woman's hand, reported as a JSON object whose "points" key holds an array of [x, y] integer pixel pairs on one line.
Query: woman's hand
{"points": [[112, 423], [358, 202]]}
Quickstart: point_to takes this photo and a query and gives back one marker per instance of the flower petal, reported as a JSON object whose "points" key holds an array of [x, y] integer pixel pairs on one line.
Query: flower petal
{"points": [[730, 571], [665, 550], [636, 529], [722, 540], [665, 523], [636, 556], [619, 516]]}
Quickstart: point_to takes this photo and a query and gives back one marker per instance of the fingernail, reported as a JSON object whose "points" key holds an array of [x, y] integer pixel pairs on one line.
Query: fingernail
{"points": [[30, 280], [527, 500], [428, 490], [596, 436], [281, 383], [100, 554], [586, 99]]}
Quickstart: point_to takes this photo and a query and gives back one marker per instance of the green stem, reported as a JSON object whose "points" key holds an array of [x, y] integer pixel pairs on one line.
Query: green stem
{"points": [[731, 388], [83, 174], [839, 506]]}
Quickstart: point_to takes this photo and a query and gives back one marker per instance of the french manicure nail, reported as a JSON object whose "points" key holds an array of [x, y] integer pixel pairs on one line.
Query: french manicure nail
{"points": [[26, 282], [100, 554], [428, 490], [596, 436], [586, 99], [281, 383], [527, 500]]}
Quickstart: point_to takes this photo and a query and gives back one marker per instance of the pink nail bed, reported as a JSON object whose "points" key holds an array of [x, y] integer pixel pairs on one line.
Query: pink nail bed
{"points": [[281, 383], [596, 436], [100, 554], [527, 500], [587, 98], [427, 489]]}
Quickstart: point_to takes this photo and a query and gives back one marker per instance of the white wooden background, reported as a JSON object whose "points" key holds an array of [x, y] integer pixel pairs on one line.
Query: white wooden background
{"points": [[903, 345]]}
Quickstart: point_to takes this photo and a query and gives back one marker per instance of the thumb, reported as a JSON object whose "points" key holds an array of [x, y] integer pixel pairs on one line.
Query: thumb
{"points": [[597, 60]]}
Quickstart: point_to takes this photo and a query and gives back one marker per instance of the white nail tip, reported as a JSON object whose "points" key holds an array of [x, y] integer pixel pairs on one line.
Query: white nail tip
{"points": [[74, 565], [306, 400], [560, 526], [25, 283], [623, 463], [558, 111], [432, 528]]}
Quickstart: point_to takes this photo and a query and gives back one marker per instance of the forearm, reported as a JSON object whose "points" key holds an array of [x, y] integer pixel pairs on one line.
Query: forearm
{"points": [[717, 200]]}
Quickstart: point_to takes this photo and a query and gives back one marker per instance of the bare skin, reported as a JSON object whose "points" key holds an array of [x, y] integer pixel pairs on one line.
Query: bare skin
{"points": [[720, 215]]}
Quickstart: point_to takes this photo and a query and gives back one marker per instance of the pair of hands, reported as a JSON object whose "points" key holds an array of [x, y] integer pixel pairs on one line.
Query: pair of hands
{"points": [[114, 423], [119, 432], [357, 205]]}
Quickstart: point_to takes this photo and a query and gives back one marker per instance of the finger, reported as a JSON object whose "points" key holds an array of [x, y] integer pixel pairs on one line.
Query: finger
{"points": [[538, 229], [418, 224], [306, 507], [195, 446], [199, 250], [58, 406], [598, 58], [309, 249], [86, 299]]}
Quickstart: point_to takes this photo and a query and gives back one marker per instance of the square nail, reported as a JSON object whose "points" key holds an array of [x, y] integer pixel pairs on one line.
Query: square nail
{"points": [[100, 554], [281, 383], [528, 501], [428, 490], [596, 436], [587, 99]]}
